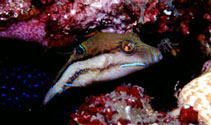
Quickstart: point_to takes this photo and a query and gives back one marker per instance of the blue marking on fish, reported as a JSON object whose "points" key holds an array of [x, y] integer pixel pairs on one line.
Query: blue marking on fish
{"points": [[133, 64]]}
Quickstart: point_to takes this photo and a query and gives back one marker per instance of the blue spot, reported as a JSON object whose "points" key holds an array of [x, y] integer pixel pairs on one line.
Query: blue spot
{"points": [[3, 103], [9, 99], [39, 74], [3, 87], [27, 96], [35, 96], [23, 93], [42, 82], [18, 68], [34, 69], [48, 79], [29, 76], [12, 88], [0, 74], [36, 85], [12, 74], [18, 77], [44, 74], [6, 77], [34, 77], [16, 98], [3, 95], [30, 86], [24, 81]]}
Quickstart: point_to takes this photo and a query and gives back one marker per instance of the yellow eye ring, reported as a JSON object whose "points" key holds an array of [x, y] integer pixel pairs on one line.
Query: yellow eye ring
{"points": [[128, 46]]}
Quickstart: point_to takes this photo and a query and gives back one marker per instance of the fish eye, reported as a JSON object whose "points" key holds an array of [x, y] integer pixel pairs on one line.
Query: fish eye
{"points": [[128, 46], [80, 50]]}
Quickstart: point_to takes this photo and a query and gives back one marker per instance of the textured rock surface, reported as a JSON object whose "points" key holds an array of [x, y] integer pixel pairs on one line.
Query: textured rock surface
{"points": [[197, 93]]}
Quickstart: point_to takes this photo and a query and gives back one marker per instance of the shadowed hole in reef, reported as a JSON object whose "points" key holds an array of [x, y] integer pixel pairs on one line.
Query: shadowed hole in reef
{"points": [[158, 80]]}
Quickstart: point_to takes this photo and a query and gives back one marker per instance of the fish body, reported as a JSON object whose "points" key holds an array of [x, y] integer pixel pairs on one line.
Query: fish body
{"points": [[103, 57]]}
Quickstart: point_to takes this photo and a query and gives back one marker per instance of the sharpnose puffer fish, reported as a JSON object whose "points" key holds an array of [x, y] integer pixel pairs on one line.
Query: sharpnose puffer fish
{"points": [[104, 57]]}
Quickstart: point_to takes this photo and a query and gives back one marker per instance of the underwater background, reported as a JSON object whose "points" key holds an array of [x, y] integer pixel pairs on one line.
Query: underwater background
{"points": [[27, 71], [180, 29]]}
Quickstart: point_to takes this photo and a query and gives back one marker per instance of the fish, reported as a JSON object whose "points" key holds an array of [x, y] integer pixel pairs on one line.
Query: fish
{"points": [[103, 57]]}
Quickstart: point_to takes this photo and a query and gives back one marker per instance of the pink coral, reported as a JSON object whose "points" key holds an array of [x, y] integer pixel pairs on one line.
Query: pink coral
{"points": [[63, 20], [10, 9], [28, 31]]}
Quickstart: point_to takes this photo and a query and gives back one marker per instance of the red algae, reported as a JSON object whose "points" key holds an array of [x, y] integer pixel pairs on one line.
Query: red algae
{"points": [[61, 21], [188, 114], [127, 105]]}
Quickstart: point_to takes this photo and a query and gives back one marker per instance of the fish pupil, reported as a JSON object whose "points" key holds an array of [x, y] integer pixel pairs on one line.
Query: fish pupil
{"points": [[128, 46]]}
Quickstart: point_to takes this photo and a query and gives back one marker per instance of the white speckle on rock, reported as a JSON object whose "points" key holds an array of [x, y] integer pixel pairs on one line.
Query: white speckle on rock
{"points": [[72, 12], [127, 110], [167, 12], [186, 106], [65, 16]]}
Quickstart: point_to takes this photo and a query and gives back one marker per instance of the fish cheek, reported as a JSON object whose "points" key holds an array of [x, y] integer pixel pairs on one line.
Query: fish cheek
{"points": [[137, 58], [94, 51]]}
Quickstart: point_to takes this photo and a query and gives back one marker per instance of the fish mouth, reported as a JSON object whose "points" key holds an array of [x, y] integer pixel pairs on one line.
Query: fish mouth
{"points": [[160, 56]]}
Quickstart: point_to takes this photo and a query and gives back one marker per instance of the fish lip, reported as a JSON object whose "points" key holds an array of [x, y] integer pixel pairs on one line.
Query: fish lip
{"points": [[160, 56]]}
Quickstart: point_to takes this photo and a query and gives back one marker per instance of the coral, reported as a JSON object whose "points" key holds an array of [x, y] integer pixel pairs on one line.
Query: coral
{"points": [[61, 21], [16, 9], [127, 105], [28, 31], [188, 114]]}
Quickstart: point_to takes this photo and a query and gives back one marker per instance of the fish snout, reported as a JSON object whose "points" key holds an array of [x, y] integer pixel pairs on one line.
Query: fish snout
{"points": [[155, 55], [160, 56]]}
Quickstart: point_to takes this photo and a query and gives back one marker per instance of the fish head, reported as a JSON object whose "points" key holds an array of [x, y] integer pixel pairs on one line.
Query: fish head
{"points": [[111, 56], [131, 57], [138, 54]]}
